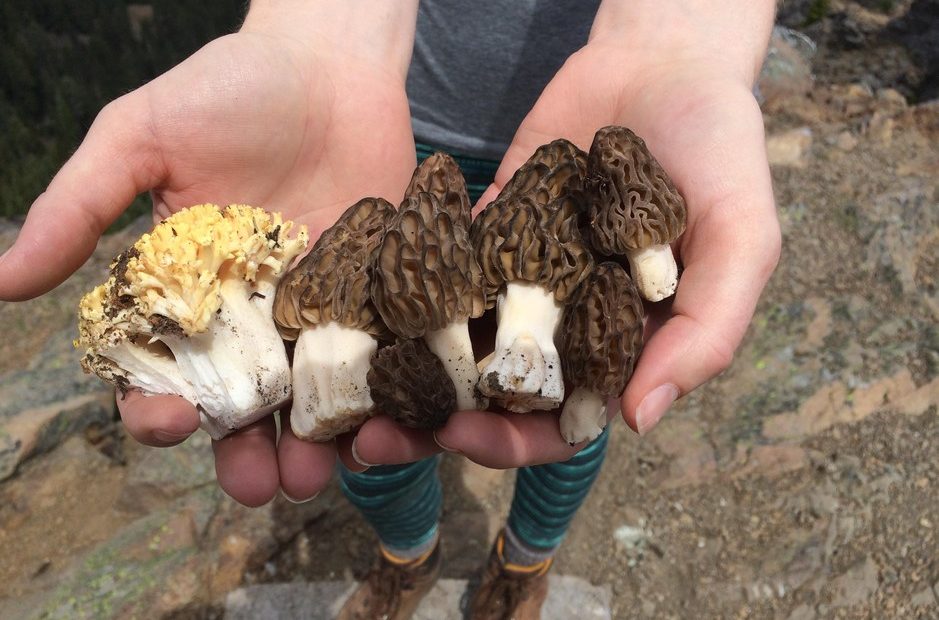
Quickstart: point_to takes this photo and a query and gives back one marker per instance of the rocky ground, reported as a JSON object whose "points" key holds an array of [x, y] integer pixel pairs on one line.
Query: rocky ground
{"points": [[803, 483]]}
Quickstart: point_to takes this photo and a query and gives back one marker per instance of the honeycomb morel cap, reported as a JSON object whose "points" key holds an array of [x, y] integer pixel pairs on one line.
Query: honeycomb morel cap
{"points": [[409, 383], [634, 209], [529, 246], [332, 282], [440, 175], [324, 303], [427, 284], [600, 340], [554, 170]]}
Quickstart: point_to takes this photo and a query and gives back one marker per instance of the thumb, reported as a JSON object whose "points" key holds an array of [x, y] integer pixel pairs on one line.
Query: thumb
{"points": [[728, 254], [117, 160]]}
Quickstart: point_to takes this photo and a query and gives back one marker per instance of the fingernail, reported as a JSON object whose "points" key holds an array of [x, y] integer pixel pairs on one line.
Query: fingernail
{"points": [[169, 436], [443, 445], [654, 406], [355, 455], [298, 501]]}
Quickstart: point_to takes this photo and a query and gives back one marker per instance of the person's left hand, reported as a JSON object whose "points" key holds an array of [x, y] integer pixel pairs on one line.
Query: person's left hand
{"points": [[687, 91]]}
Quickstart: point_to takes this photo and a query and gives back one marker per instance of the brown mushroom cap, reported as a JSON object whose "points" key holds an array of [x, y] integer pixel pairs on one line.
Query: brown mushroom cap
{"points": [[530, 231], [632, 202], [425, 272], [409, 383], [440, 175], [519, 239], [553, 170], [332, 282], [602, 331]]}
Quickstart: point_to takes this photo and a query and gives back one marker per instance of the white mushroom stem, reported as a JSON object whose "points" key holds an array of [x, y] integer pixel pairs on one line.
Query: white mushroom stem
{"points": [[453, 347], [330, 391], [238, 367], [654, 271], [152, 369], [524, 371], [584, 416]]}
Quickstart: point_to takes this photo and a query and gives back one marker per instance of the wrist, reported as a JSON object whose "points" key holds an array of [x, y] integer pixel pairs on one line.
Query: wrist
{"points": [[729, 36], [374, 32]]}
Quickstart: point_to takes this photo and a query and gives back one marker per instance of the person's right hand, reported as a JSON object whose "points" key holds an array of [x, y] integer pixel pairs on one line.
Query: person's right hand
{"points": [[303, 112]]}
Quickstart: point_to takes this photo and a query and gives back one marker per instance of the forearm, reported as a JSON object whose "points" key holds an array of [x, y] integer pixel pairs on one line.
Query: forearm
{"points": [[731, 33], [378, 32]]}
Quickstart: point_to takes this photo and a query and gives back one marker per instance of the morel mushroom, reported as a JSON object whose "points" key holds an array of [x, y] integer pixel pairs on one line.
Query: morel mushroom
{"points": [[554, 169], [529, 246], [187, 311], [428, 284], [323, 304], [409, 383], [634, 209], [601, 337], [441, 176]]}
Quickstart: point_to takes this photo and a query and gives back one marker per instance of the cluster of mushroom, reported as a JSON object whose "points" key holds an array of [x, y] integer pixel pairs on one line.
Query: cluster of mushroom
{"points": [[538, 244], [379, 309]]}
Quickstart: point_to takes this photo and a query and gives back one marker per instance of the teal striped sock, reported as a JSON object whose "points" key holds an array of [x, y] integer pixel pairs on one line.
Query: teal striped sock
{"points": [[546, 499], [401, 502]]}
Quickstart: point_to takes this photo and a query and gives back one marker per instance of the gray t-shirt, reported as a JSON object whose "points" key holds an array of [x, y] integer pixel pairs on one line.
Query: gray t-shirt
{"points": [[479, 66]]}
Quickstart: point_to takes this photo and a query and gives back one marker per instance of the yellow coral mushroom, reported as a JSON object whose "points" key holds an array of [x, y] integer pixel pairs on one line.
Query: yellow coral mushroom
{"points": [[187, 310]]}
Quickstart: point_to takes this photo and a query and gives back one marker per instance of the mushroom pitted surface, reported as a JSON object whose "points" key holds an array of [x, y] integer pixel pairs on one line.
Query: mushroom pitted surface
{"points": [[428, 284], [409, 383], [533, 258], [601, 337], [187, 311], [440, 175], [554, 169], [634, 209], [324, 304]]}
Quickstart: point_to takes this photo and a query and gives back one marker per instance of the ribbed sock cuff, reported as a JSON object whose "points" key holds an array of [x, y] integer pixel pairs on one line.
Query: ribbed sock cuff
{"points": [[518, 553], [403, 556]]}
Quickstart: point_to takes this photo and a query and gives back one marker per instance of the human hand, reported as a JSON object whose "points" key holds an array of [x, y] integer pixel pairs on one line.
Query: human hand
{"points": [[680, 75], [303, 112]]}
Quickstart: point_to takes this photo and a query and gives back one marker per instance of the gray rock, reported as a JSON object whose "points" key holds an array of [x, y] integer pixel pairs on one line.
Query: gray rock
{"points": [[802, 612], [160, 475], [923, 598], [568, 597], [787, 70], [35, 430], [855, 586], [789, 148], [148, 568], [49, 400]]}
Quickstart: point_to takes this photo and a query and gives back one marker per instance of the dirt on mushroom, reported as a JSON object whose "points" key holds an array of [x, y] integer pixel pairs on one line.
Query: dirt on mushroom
{"points": [[706, 516], [529, 245], [324, 304]]}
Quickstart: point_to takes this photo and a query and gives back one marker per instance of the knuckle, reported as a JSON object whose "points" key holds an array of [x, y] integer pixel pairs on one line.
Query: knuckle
{"points": [[721, 354], [772, 246]]}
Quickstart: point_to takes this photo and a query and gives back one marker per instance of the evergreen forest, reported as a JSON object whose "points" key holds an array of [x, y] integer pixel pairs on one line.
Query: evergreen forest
{"points": [[61, 61]]}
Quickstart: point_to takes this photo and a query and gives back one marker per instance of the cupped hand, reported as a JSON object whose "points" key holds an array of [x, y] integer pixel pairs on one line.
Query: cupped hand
{"points": [[256, 117], [695, 110]]}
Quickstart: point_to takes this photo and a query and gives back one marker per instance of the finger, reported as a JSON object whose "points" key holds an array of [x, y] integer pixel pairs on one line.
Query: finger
{"points": [[305, 467], [344, 449], [488, 196], [116, 161], [157, 420], [728, 253], [381, 441], [246, 463], [501, 441]]}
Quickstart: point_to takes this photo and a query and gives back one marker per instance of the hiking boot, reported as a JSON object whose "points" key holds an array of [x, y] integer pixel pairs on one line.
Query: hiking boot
{"points": [[393, 589], [509, 591]]}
